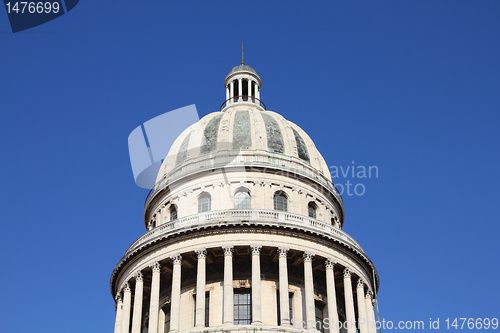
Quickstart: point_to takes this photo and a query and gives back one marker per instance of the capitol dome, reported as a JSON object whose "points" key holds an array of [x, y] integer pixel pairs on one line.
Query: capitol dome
{"points": [[244, 233]]}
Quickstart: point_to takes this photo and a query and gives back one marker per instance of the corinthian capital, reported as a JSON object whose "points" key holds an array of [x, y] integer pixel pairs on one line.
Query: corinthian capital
{"points": [[282, 251], [177, 259], [307, 256], [201, 253], [228, 250], [329, 263], [256, 249], [347, 273], [361, 284], [126, 288], [156, 267]]}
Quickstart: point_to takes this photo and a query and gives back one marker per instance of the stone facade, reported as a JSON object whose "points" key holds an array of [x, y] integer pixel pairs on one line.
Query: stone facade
{"points": [[244, 231]]}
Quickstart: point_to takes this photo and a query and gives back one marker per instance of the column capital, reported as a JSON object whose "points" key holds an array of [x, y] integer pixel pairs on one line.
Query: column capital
{"points": [[201, 253], [228, 250], [307, 256], [283, 251], [118, 298], [126, 287], [177, 259], [329, 263], [156, 267], [139, 277], [255, 249], [347, 273], [369, 295], [361, 284]]}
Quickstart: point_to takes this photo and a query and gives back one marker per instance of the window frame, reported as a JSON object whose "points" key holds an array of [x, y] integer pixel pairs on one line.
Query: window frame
{"points": [[202, 196], [314, 207], [246, 199], [173, 209], [319, 308], [245, 306], [280, 194]]}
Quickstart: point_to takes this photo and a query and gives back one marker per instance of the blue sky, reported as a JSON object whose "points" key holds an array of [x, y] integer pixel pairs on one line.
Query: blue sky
{"points": [[411, 87]]}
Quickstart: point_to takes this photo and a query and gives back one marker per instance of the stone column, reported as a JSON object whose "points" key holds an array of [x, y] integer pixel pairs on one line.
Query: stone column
{"points": [[118, 319], [240, 89], [349, 302], [331, 298], [175, 300], [137, 315], [360, 295], [309, 291], [161, 321], [257, 91], [370, 313], [228, 286], [256, 293], [231, 90], [283, 287], [154, 305], [127, 298], [249, 90], [227, 93], [200, 288]]}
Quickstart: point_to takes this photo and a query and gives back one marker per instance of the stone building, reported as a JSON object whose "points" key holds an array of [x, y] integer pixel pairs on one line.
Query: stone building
{"points": [[244, 232]]}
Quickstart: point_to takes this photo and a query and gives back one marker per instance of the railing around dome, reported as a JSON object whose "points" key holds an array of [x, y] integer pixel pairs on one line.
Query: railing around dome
{"points": [[245, 216], [242, 98]]}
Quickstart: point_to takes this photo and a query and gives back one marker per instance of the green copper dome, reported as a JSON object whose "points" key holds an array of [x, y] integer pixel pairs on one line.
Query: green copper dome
{"points": [[243, 67]]}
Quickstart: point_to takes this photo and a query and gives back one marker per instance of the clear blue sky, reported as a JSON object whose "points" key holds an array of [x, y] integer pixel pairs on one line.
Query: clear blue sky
{"points": [[409, 86]]}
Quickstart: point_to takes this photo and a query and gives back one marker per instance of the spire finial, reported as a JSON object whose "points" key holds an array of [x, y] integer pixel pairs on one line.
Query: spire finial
{"points": [[242, 59]]}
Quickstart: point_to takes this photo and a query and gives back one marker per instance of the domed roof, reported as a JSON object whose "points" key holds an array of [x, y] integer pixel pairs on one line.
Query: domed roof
{"points": [[265, 137], [243, 67]]}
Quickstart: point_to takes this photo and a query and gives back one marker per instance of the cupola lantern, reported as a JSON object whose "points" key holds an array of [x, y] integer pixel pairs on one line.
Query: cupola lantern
{"points": [[243, 86]]}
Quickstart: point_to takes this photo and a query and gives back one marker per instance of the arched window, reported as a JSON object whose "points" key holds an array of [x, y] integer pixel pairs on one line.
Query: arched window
{"points": [[242, 200], [204, 203], [280, 201], [173, 213], [311, 210]]}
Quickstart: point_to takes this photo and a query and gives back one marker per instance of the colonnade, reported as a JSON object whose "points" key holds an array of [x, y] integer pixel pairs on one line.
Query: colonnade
{"points": [[366, 316], [230, 91]]}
